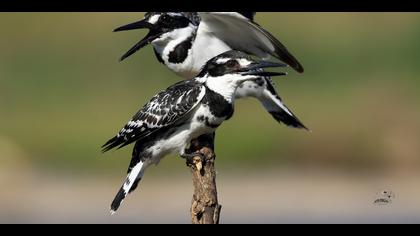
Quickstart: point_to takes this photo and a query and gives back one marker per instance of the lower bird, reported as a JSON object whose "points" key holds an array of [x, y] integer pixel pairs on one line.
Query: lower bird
{"points": [[183, 112]]}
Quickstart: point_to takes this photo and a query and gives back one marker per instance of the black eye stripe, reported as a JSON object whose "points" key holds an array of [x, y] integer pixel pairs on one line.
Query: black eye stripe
{"points": [[232, 63], [164, 18]]}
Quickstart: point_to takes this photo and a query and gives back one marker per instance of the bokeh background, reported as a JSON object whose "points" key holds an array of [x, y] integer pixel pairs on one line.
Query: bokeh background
{"points": [[63, 93]]}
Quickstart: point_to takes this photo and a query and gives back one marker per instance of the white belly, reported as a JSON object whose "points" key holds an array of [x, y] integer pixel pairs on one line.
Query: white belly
{"points": [[181, 139], [173, 144]]}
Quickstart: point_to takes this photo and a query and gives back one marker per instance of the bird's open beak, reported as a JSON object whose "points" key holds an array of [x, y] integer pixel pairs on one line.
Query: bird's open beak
{"points": [[143, 24], [257, 69]]}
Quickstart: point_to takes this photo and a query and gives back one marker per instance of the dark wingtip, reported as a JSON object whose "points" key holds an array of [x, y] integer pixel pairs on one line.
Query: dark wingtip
{"points": [[298, 125], [281, 53], [291, 121], [300, 69], [293, 62], [302, 126]]}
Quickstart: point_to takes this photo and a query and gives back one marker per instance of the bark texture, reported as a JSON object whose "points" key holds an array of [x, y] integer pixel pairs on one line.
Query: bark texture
{"points": [[205, 208]]}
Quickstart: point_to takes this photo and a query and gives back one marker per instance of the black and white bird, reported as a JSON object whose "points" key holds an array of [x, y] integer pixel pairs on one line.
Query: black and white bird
{"points": [[184, 111], [185, 41]]}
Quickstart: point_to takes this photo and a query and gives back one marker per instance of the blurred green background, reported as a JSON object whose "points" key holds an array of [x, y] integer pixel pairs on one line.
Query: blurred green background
{"points": [[63, 93]]}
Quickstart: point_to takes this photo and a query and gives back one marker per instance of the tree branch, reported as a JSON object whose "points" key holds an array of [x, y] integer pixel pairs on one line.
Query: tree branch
{"points": [[205, 208]]}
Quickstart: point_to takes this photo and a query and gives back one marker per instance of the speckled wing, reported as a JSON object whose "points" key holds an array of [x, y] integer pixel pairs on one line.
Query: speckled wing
{"points": [[241, 33], [164, 109]]}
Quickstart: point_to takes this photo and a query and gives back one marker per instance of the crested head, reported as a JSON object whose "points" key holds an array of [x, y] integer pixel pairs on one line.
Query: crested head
{"points": [[177, 17], [226, 63], [167, 21], [225, 72], [172, 27], [237, 63], [164, 27]]}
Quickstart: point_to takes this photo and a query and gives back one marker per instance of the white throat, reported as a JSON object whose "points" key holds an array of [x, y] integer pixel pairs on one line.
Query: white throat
{"points": [[165, 44], [204, 47], [224, 85], [168, 41]]}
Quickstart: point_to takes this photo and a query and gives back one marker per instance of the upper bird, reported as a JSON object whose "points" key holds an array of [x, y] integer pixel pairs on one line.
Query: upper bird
{"points": [[185, 41], [184, 111]]}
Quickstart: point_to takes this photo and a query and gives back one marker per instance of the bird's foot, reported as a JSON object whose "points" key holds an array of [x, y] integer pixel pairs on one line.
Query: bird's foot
{"points": [[191, 160]]}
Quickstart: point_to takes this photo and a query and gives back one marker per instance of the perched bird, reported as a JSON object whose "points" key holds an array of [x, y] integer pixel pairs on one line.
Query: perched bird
{"points": [[185, 41], [184, 111]]}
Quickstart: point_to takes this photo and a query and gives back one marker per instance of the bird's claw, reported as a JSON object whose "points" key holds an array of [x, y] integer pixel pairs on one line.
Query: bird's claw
{"points": [[190, 157]]}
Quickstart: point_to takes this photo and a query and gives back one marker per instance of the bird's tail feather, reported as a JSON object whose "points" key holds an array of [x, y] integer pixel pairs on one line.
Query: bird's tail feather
{"points": [[112, 143], [131, 182], [274, 105]]}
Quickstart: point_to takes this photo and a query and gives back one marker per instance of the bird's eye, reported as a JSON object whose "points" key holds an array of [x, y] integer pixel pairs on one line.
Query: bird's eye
{"points": [[232, 63], [165, 19]]}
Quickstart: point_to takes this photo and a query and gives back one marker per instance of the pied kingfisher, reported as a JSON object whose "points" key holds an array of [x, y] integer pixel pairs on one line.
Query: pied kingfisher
{"points": [[185, 41], [184, 111]]}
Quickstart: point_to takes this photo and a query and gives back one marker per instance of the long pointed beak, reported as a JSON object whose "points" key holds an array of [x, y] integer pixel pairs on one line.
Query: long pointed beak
{"points": [[146, 40], [257, 69], [143, 24]]}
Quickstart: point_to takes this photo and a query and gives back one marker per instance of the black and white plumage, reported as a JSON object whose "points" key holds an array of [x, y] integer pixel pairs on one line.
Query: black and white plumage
{"points": [[182, 112], [185, 41]]}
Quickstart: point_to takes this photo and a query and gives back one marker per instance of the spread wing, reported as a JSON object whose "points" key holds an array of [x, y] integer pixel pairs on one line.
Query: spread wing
{"points": [[164, 109], [241, 33]]}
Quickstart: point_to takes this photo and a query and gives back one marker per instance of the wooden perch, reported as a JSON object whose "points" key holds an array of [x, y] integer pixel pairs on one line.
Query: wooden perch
{"points": [[205, 208]]}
